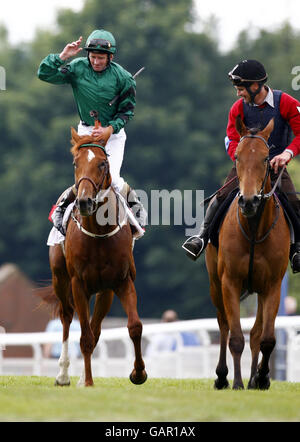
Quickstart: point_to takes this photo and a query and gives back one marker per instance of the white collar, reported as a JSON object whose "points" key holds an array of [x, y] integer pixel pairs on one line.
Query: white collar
{"points": [[269, 98]]}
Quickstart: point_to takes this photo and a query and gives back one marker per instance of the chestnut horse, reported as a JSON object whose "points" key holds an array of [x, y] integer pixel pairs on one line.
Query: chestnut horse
{"points": [[97, 258], [256, 221]]}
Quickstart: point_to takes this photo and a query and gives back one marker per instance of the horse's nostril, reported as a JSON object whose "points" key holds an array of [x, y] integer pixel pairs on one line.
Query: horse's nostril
{"points": [[85, 205], [241, 201], [256, 200]]}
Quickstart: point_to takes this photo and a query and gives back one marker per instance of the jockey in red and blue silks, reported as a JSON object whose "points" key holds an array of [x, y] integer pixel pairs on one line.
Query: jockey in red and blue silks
{"points": [[257, 104]]}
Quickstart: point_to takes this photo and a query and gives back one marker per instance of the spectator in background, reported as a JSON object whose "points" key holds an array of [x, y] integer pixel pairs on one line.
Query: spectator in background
{"points": [[54, 350], [169, 341], [290, 305]]}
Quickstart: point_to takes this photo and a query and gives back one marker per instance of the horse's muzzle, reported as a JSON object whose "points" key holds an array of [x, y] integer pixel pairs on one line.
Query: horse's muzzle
{"points": [[86, 206], [249, 205]]}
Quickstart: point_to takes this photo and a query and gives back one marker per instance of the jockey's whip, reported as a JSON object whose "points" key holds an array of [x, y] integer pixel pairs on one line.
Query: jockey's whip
{"points": [[134, 77]]}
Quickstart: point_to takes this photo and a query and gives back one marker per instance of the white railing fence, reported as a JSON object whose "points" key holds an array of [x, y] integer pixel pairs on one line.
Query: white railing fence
{"points": [[114, 354]]}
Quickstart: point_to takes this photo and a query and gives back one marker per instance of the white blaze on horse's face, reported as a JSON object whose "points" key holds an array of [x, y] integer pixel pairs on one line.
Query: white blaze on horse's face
{"points": [[91, 155]]}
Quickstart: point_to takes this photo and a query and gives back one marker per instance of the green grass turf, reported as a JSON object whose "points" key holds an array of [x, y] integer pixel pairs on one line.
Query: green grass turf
{"points": [[32, 398]]}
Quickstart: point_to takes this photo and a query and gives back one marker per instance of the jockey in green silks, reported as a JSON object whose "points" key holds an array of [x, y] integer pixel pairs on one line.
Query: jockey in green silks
{"points": [[96, 80]]}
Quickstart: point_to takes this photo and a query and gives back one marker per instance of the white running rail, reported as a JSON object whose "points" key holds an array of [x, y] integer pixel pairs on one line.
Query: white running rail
{"points": [[185, 362]]}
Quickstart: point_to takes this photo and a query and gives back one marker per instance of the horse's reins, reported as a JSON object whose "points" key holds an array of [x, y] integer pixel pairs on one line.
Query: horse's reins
{"points": [[263, 197], [100, 196]]}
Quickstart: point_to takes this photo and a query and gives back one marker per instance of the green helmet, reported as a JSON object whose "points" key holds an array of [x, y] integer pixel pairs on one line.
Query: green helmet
{"points": [[101, 41]]}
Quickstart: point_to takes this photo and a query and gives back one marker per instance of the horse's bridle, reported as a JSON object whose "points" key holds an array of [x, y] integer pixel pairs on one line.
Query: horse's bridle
{"points": [[100, 193], [261, 193], [263, 198]]}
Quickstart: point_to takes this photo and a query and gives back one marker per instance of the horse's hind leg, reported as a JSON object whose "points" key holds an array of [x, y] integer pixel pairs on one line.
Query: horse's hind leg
{"points": [[62, 287], [87, 337], [216, 296], [222, 369], [127, 294]]}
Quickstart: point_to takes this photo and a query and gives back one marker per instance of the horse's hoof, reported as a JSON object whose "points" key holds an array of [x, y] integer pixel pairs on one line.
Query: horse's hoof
{"points": [[256, 383], [238, 386], [253, 383], [59, 384], [137, 380], [221, 385]]}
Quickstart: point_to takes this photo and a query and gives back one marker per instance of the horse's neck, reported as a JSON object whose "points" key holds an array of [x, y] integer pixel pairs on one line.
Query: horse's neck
{"points": [[261, 222]]}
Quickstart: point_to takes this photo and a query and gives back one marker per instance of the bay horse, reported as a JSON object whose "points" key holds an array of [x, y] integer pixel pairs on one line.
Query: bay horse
{"points": [[97, 259], [254, 244]]}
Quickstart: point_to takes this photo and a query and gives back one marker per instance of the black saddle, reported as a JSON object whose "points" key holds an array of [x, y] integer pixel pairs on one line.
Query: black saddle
{"points": [[219, 217]]}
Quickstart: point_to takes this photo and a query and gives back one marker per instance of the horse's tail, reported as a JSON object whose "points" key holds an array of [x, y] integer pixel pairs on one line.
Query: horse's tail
{"points": [[49, 298]]}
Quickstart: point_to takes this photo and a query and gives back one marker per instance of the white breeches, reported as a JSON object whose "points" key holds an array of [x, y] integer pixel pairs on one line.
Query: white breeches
{"points": [[115, 149]]}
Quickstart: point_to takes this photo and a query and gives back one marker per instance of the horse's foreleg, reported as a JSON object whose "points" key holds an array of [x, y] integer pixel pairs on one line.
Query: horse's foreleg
{"points": [[270, 302], [255, 335], [87, 338], [128, 298], [102, 306], [231, 299]]}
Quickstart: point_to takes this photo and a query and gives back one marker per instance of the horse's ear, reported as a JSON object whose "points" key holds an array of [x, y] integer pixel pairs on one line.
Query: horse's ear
{"points": [[75, 136], [268, 130], [240, 126]]}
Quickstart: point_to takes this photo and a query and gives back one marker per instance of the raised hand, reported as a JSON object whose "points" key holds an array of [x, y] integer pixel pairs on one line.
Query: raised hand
{"points": [[71, 49]]}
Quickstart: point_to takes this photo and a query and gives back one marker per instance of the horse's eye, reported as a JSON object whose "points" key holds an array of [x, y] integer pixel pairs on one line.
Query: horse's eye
{"points": [[101, 165], [74, 164], [266, 159]]}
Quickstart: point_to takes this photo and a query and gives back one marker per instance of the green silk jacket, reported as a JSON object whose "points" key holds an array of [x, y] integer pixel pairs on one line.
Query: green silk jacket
{"points": [[94, 90]]}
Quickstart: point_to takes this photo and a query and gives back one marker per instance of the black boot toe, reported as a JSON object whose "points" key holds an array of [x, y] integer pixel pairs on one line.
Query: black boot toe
{"points": [[295, 263], [193, 247]]}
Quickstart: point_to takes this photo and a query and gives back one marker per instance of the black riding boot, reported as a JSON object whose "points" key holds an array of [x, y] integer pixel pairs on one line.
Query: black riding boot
{"points": [[295, 257], [135, 204], [58, 214], [195, 245]]}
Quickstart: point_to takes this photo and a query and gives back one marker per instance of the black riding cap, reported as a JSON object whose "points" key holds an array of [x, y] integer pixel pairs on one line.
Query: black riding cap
{"points": [[247, 72]]}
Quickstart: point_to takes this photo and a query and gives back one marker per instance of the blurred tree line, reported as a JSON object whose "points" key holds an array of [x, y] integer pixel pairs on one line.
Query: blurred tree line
{"points": [[176, 140]]}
